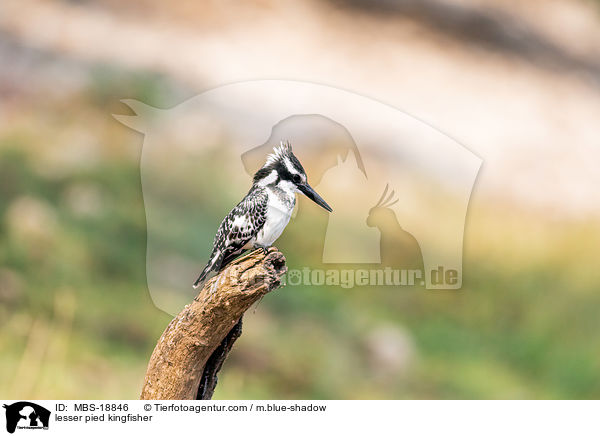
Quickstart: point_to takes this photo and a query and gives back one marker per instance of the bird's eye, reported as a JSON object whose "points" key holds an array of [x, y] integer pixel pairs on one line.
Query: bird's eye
{"points": [[296, 178]]}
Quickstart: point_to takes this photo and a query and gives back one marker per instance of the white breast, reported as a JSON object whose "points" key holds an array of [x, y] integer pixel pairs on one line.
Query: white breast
{"points": [[279, 212]]}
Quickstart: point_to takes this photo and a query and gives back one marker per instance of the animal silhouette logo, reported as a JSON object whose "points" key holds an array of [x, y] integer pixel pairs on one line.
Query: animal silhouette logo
{"points": [[399, 249], [196, 154], [26, 415]]}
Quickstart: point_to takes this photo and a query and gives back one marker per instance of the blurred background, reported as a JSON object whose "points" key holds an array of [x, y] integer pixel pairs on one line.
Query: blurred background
{"points": [[518, 83]]}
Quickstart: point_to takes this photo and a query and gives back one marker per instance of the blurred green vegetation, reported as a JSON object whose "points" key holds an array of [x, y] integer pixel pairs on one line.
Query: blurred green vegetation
{"points": [[77, 320]]}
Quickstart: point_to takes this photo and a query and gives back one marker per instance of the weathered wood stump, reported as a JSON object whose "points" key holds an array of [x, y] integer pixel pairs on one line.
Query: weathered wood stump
{"points": [[193, 347]]}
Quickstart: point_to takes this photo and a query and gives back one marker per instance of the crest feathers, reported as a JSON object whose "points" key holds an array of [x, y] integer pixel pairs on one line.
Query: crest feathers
{"points": [[284, 148]]}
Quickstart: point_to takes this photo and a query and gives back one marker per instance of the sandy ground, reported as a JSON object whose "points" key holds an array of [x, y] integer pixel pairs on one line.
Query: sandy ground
{"points": [[534, 124]]}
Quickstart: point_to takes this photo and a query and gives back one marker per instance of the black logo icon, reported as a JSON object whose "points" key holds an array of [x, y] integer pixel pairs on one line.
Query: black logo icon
{"points": [[26, 415]]}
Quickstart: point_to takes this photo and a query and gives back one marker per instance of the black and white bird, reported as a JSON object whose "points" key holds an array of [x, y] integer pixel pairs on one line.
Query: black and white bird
{"points": [[262, 215]]}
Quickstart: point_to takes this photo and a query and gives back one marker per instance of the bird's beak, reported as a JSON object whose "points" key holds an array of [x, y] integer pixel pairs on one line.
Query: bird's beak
{"points": [[307, 190]]}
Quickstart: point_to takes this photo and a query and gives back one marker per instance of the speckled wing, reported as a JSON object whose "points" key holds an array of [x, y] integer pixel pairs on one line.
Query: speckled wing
{"points": [[242, 224], [238, 228]]}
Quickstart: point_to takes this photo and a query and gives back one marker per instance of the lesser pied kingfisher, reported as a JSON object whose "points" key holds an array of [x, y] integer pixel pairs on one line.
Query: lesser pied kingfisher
{"points": [[259, 219]]}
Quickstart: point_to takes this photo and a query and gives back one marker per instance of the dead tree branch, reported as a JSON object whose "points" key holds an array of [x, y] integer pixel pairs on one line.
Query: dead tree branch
{"points": [[193, 347]]}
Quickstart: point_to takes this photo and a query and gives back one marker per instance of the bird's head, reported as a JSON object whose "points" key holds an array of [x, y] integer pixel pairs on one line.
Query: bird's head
{"points": [[284, 171]]}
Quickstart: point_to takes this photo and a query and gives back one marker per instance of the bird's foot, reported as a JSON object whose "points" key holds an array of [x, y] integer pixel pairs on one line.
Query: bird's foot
{"points": [[257, 249]]}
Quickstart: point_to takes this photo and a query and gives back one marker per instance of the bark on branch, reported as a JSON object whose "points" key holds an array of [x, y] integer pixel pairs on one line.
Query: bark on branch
{"points": [[191, 350]]}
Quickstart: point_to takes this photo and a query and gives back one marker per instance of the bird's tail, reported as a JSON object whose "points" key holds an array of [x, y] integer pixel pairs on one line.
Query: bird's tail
{"points": [[214, 264]]}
